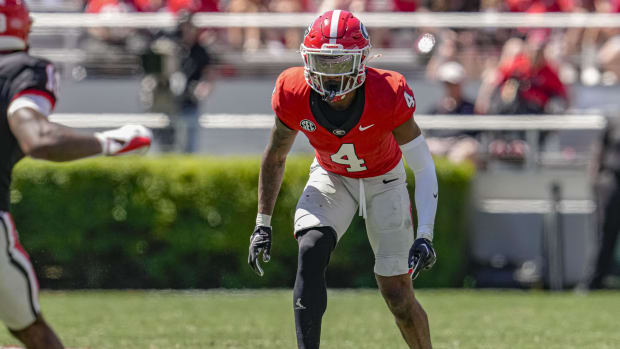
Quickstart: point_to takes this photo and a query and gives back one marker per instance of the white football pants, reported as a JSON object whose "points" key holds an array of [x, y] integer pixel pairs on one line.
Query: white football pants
{"points": [[332, 200], [19, 288]]}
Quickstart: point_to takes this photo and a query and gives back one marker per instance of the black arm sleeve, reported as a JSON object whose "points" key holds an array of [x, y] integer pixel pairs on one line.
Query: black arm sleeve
{"points": [[39, 76]]}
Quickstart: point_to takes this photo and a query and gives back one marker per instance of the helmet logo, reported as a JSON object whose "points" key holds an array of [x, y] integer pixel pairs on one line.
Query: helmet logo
{"points": [[364, 31], [308, 30], [307, 125]]}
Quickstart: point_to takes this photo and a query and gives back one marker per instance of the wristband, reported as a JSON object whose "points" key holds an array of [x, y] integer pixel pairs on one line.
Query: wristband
{"points": [[263, 220]]}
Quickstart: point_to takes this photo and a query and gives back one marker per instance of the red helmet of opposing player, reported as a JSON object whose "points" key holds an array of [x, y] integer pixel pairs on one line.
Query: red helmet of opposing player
{"points": [[335, 51], [14, 25]]}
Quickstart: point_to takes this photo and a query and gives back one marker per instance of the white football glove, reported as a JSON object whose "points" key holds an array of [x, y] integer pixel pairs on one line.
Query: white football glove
{"points": [[129, 139]]}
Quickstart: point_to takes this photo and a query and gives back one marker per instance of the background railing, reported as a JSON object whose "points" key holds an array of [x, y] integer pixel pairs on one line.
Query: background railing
{"points": [[426, 122], [301, 20]]}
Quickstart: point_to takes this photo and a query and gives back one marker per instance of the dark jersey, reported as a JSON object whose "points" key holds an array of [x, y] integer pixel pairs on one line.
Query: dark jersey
{"points": [[193, 61], [20, 74]]}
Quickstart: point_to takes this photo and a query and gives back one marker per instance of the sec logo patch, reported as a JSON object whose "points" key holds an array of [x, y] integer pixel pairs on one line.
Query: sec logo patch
{"points": [[307, 125]]}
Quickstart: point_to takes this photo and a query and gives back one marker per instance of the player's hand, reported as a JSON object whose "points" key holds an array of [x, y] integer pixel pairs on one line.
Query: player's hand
{"points": [[125, 140], [260, 241], [422, 256]]}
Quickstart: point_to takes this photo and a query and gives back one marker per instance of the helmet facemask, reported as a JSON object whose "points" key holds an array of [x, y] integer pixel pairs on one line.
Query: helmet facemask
{"points": [[333, 71]]}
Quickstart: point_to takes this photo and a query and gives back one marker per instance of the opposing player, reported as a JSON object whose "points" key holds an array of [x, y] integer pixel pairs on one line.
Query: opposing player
{"points": [[27, 96], [360, 122]]}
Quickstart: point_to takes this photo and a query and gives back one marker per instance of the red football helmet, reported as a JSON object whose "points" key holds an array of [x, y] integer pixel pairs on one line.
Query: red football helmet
{"points": [[335, 51], [15, 24]]}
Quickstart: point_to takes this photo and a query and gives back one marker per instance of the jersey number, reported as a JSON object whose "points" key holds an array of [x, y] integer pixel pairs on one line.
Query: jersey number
{"points": [[346, 156]]}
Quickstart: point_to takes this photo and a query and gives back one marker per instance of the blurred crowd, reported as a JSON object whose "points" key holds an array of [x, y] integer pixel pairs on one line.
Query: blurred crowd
{"points": [[520, 70], [253, 38], [590, 56]]}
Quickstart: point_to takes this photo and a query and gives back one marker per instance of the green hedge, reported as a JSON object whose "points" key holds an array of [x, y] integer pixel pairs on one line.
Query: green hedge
{"points": [[184, 222]]}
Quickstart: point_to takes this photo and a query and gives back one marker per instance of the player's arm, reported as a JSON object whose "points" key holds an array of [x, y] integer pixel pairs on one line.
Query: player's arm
{"points": [[272, 166], [269, 182], [418, 156], [42, 139]]}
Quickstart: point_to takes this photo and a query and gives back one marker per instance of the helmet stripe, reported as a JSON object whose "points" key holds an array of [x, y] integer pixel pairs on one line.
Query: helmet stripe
{"points": [[333, 30]]}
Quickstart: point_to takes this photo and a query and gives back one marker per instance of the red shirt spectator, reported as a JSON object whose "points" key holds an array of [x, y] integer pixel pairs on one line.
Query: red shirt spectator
{"points": [[175, 6], [405, 5], [539, 6], [97, 6], [148, 5], [537, 83]]}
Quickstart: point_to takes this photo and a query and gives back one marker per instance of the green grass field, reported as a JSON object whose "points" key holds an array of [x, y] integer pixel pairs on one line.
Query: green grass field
{"points": [[354, 319]]}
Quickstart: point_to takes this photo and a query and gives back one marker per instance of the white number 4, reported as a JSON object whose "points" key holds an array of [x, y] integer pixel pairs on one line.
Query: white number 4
{"points": [[346, 156], [410, 100]]}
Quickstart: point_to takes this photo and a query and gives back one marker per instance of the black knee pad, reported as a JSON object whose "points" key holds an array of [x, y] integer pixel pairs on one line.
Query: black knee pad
{"points": [[315, 246], [319, 237]]}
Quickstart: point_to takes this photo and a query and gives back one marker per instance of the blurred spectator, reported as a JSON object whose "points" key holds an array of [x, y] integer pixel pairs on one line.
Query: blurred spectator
{"points": [[175, 6], [606, 180], [248, 39], [349, 5], [404, 5], [454, 5], [149, 5], [538, 6], [106, 48], [452, 75], [289, 38], [110, 35], [609, 59], [192, 82], [99, 6], [596, 49], [525, 83], [459, 46], [491, 6], [609, 54], [456, 146]]}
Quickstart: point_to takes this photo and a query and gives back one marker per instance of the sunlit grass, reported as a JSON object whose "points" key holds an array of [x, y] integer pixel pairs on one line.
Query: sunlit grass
{"points": [[354, 319]]}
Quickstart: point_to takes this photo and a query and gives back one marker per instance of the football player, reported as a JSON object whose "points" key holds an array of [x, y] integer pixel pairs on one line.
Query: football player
{"points": [[28, 88], [360, 122]]}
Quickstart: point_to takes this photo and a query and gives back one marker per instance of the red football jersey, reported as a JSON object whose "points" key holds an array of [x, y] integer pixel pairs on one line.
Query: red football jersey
{"points": [[367, 150]]}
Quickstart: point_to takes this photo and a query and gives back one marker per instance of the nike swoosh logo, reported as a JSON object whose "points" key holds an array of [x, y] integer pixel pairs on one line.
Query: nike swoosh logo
{"points": [[389, 181], [366, 128], [435, 195]]}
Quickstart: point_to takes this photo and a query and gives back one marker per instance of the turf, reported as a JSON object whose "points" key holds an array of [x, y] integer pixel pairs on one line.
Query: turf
{"points": [[354, 319]]}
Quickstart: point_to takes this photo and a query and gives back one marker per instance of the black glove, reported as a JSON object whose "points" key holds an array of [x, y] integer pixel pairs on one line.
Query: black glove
{"points": [[422, 256], [260, 241]]}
